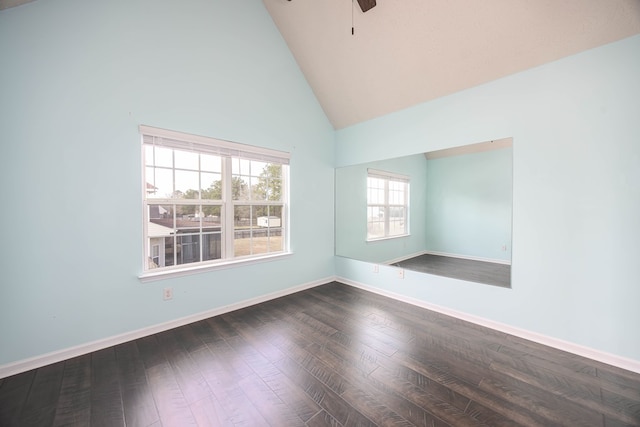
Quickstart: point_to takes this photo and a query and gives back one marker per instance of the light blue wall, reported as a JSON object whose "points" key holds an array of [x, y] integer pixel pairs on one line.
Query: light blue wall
{"points": [[469, 200], [78, 77], [351, 211], [76, 80], [576, 194]]}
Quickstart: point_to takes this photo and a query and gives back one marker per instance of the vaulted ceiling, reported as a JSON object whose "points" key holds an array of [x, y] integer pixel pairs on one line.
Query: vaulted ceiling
{"points": [[406, 52], [402, 53]]}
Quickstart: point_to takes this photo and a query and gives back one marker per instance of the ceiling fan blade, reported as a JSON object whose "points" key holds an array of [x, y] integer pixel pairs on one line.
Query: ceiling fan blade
{"points": [[366, 4]]}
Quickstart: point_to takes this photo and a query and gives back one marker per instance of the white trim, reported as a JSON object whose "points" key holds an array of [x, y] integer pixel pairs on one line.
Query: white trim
{"points": [[228, 151], [378, 173], [153, 275], [380, 239], [469, 257], [60, 355], [188, 138], [580, 350], [403, 258]]}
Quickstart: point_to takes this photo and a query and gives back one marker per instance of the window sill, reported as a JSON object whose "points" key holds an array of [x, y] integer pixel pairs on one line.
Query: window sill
{"points": [[151, 276], [380, 239]]}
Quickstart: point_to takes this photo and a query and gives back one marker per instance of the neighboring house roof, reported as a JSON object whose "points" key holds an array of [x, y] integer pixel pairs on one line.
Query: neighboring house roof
{"points": [[164, 226], [158, 230]]}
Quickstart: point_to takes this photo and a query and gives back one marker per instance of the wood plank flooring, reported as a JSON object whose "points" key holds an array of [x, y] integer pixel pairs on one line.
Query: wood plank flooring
{"points": [[333, 355], [489, 273]]}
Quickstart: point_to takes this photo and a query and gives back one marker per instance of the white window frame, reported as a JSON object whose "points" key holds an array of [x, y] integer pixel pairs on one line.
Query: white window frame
{"points": [[385, 206], [226, 150]]}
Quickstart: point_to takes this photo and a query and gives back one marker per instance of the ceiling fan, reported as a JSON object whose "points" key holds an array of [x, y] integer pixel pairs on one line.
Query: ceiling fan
{"points": [[365, 4]]}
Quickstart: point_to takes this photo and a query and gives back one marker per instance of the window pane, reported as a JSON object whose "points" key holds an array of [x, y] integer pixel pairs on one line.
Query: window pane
{"points": [[397, 223], [151, 189], [375, 230], [159, 183], [375, 213], [186, 160], [394, 198], [258, 230], [266, 188], [148, 155], [266, 218], [276, 211], [275, 190], [375, 222], [211, 246], [241, 243], [242, 216], [211, 215], [163, 157], [187, 185], [258, 192], [375, 190], [211, 186], [396, 192], [160, 252], [188, 248], [257, 168], [188, 218], [212, 229], [276, 242], [240, 166], [239, 188], [372, 196], [273, 170], [160, 220], [242, 230], [154, 259], [271, 224], [210, 163], [260, 241], [169, 251]]}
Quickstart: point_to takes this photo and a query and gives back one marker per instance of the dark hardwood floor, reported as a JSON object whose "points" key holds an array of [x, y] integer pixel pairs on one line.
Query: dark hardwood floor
{"points": [[333, 355], [489, 273]]}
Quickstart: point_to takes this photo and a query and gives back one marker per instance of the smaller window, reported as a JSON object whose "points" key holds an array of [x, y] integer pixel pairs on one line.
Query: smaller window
{"points": [[387, 205]]}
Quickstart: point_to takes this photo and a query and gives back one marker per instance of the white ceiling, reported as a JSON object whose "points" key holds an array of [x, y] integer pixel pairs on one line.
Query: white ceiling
{"points": [[407, 52]]}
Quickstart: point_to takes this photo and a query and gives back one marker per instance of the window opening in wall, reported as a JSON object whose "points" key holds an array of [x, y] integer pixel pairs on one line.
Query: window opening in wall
{"points": [[208, 201], [387, 205]]}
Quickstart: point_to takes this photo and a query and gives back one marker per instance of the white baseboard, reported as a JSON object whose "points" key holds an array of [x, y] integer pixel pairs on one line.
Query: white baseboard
{"points": [[60, 355], [597, 355], [403, 258], [472, 258]]}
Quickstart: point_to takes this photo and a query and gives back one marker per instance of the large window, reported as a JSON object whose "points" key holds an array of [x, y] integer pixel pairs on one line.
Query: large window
{"points": [[387, 205], [207, 201]]}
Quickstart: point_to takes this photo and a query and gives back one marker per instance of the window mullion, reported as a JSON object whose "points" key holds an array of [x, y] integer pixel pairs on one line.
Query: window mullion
{"points": [[387, 210], [285, 224], [200, 215], [175, 234], [227, 207]]}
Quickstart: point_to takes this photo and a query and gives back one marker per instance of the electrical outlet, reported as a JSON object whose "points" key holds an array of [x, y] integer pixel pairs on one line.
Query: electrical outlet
{"points": [[504, 248], [401, 273], [376, 268], [167, 294]]}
